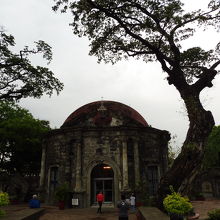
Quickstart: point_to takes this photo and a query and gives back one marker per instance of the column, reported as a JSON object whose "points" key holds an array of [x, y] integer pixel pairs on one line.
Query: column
{"points": [[125, 165], [42, 170], [136, 163], [78, 168]]}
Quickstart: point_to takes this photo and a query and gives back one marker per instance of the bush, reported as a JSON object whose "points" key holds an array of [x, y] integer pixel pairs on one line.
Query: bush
{"points": [[4, 200], [177, 204], [214, 214]]}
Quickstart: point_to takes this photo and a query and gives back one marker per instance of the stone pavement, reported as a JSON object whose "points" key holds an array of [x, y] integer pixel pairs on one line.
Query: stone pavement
{"points": [[202, 207], [82, 214], [53, 213]]}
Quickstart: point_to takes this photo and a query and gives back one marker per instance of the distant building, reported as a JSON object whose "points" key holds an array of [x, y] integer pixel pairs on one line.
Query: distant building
{"points": [[103, 146]]}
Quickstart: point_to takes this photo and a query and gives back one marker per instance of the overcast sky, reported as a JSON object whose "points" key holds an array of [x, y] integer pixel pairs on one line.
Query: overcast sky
{"points": [[135, 83]]}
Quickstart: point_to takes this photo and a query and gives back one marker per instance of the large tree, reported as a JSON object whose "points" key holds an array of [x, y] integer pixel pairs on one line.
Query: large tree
{"points": [[21, 139], [153, 30], [19, 78]]}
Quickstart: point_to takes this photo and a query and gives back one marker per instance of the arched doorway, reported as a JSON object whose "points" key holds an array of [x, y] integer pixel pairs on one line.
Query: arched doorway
{"points": [[102, 179]]}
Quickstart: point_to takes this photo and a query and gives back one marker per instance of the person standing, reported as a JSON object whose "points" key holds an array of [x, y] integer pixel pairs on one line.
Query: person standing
{"points": [[100, 199], [132, 201], [123, 207]]}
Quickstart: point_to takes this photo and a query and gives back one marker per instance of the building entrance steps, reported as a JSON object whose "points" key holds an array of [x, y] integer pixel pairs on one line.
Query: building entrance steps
{"points": [[24, 214], [151, 213], [104, 205]]}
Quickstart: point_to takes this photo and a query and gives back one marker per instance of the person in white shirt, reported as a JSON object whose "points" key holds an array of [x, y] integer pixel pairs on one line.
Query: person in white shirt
{"points": [[132, 202]]}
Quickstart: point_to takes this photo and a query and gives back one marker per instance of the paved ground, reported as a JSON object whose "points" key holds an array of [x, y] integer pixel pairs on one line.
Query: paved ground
{"points": [[82, 214], [202, 207], [53, 213]]}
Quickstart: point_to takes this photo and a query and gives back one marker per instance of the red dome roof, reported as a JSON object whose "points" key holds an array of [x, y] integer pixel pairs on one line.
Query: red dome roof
{"points": [[109, 106]]}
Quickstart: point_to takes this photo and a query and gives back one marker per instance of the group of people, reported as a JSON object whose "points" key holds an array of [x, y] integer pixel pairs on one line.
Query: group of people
{"points": [[123, 205]]}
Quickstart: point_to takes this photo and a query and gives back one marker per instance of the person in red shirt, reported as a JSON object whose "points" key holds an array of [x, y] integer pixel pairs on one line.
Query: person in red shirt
{"points": [[100, 199]]}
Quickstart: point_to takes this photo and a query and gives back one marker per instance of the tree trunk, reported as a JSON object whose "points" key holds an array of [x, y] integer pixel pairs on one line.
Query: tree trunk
{"points": [[188, 163]]}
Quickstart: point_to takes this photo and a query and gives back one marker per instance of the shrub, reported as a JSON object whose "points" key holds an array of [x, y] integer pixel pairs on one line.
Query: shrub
{"points": [[175, 203], [214, 214], [4, 200]]}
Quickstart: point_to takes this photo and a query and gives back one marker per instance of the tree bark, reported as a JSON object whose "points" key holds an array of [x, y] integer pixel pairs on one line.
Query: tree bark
{"points": [[188, 163]]}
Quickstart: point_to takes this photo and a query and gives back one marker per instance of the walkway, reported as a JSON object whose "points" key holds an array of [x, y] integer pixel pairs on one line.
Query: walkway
{"points": [[202, 207], [82, 214], [53, 213]]}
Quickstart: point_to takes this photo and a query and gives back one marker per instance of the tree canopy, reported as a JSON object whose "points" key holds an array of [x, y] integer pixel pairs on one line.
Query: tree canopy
{"points": [[21, 139], [155, 30], [148, 30], [18, 77]]}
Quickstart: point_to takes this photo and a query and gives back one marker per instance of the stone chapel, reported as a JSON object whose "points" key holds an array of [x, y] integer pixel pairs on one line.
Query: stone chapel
{"points": [[103, 146]]}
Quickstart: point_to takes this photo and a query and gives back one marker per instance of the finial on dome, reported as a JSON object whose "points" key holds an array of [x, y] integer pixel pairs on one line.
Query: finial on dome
{"points": [[102, 107]]}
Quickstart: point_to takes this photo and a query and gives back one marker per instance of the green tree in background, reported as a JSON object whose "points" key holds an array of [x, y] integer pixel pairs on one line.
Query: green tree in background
{"points": [[18, 77], [155, 30], [212, 150], [21, 139]]}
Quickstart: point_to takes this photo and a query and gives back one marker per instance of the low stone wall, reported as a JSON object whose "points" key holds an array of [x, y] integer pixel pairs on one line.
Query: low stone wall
{"points": [[25, 214], [151, 213]]}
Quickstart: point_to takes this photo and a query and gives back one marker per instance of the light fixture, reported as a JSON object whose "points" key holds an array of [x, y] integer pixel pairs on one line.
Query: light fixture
{"points": [[107, 167]]}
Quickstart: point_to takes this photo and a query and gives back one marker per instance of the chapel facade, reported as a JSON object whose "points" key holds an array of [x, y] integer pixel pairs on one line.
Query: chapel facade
{"points": [[103, 146]]}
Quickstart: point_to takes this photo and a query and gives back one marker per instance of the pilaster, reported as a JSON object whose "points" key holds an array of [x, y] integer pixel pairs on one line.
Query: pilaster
{"points": [[42, 170], [78, 168], [125, 165], [136, 163]]}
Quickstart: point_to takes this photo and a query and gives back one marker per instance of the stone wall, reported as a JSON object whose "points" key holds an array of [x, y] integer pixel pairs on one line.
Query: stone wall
{"points": [[128, 151]]}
